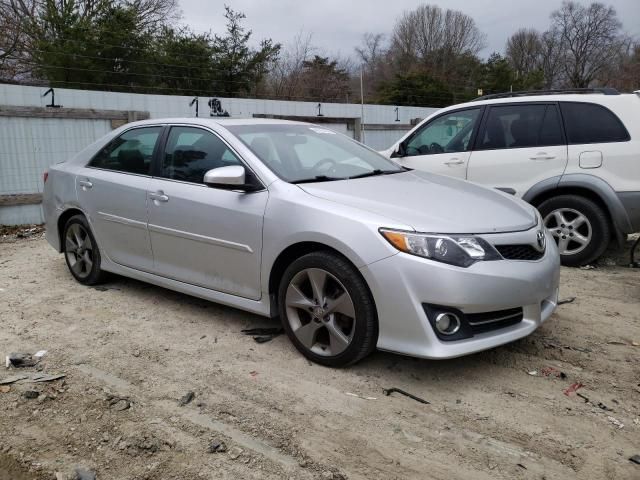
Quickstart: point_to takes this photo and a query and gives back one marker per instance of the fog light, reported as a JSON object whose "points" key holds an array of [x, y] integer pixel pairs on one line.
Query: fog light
{"points": [[447, 323]]}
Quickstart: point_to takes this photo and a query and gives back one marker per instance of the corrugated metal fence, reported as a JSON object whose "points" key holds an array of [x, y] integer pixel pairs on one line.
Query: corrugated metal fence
{"points": [[34, 135]]}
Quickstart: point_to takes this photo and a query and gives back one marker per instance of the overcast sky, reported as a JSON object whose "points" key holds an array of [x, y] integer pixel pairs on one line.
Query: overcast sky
{"points": [[337, 25]]}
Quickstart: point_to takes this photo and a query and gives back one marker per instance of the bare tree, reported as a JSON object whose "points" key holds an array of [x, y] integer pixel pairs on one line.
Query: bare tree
{"points": [[524, 51], [286, 73], [590, 40], [434, 36]]}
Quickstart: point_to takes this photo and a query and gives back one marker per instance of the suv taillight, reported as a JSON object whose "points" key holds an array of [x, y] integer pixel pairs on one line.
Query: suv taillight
{"points": [[45, 175]]}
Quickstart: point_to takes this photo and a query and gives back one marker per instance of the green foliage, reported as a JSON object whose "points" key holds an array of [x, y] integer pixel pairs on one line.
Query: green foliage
{"points": [[415, 89], [109, 44]]}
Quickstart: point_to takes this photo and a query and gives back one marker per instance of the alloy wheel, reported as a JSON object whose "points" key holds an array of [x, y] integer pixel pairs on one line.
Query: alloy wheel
{"points": [[320, 312], [571, 230], [79, 250]]}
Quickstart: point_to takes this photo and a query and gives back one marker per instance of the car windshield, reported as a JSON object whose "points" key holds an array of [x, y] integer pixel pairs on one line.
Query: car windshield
{"points": [[308, 153]]}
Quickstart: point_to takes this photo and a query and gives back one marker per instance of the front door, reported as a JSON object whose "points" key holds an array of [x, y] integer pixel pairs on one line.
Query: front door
{"points": [[112, 190], [518, 145], [442, 145], [200, 235]]}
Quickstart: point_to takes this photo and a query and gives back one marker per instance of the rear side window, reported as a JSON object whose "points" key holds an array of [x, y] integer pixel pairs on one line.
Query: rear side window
{"points": [[131, 152], [191, 152], [521, 126], [591, 123]]}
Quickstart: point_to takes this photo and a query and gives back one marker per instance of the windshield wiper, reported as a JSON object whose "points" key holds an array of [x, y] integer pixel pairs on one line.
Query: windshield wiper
{"points": [[317, 178], [376, 172]]}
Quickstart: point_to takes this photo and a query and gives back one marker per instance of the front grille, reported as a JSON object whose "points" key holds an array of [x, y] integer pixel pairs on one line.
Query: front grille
{"points": [[519, 252], [488, 321]]}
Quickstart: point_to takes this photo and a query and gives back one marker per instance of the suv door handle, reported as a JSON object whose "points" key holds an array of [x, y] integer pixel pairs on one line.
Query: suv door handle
{"points": [[85, 184], [454, 161], [542, 156], [159, 196]]}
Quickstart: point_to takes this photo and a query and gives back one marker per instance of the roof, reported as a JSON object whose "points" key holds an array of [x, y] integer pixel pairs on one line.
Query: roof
{"points": [[222, 121]]}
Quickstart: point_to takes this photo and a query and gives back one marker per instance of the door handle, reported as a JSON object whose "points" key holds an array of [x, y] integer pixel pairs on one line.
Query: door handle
{"points": [[85, 184], [542, 156], [159, 197], [454, 161]]}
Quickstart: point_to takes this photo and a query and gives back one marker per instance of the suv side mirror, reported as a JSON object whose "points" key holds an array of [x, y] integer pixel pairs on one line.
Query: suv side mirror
{"points": [[232, 177], [401, 151]]}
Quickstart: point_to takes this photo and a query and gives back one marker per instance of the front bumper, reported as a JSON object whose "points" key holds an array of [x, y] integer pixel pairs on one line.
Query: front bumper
{"points": [[401, 284]]}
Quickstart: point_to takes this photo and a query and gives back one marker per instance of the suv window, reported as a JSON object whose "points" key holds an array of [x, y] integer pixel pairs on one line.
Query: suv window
{"points": [[131, 152], [591, 123], [449, 133], [191, 152], [521, 126]]}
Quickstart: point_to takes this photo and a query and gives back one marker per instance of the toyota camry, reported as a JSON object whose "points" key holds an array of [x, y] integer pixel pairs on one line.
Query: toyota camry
{"points": [[293, 220]]}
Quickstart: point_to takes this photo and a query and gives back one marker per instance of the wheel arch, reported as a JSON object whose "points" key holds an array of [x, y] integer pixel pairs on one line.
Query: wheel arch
{"points": [[292, 253], [62, 221], [588, 186]]}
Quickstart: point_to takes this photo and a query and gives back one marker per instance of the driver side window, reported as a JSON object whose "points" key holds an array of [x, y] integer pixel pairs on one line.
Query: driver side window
{"points": [[449, 133]]}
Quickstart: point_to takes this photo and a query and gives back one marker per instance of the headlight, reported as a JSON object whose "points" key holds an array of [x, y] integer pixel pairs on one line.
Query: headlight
{"points": [[459, 250]]}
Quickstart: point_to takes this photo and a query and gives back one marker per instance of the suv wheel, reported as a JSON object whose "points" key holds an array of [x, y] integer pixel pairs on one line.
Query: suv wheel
{"points": [[327, 310], [81, 251], [580, 227]]}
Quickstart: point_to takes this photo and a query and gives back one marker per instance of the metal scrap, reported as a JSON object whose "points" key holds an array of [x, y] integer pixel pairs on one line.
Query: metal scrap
{"points": [[389, 391]]}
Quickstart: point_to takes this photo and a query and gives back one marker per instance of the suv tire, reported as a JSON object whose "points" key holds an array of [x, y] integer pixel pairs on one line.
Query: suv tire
{"points": [[580, 227]]}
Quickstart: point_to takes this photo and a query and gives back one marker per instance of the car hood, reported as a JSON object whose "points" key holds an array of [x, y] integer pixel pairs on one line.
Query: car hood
{"points": [[430, 203]]}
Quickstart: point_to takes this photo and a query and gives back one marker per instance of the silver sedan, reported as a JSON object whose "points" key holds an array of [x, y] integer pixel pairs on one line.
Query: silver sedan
{"points": [[350, 250]]}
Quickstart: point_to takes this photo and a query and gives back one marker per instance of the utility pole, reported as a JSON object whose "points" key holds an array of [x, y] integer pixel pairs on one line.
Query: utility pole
{"points": [[362, 104]]}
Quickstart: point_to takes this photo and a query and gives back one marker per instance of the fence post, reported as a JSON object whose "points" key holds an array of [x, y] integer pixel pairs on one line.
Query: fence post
{"points": [[357, 128]]}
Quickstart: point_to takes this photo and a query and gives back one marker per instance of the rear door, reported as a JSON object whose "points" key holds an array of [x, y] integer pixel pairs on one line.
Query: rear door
{"points": [[518, 145], [443, 144], [599, 144], [201, 235], [112, 190]]}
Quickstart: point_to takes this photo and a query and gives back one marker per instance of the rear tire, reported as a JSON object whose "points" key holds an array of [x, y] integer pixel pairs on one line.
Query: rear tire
{"points": [[81, 251], [327, 310], [580, 227]]}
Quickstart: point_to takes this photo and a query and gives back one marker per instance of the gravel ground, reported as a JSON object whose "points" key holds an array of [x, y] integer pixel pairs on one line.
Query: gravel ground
{"points": [[131, 351]]}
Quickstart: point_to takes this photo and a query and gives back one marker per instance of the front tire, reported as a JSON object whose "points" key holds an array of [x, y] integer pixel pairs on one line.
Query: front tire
{"points": [[81, 251], [580, 227], [327, 310]]}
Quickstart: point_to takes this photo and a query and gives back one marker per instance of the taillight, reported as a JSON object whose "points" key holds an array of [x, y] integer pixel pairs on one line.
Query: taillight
{"points": [[45, 175]]}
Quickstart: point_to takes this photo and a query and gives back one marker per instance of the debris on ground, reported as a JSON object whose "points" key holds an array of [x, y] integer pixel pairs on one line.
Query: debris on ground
{"points": [[574, 387], [359, 396], [186, 398], [5, 388], [548, 371], [119, 404], [635, 459], [84, 474], [31, 394], [533, 373], [22, 360], [32, 378], [566, 300], [584, 397], [235, 453], [588, 267], [216, 447], [263, 334], [389, 391], [615, 422]]}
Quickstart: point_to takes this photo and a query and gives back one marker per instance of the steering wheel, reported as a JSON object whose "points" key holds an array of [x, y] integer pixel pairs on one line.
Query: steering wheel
{"points": [[328, 161], [435, 148]]}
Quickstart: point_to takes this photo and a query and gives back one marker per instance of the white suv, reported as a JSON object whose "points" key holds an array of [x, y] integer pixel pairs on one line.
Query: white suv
{"points": [[575, 155]]}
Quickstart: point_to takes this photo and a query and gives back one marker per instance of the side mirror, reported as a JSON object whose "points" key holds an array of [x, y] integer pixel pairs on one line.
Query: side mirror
{"points": [[228, 178], [401, 151]]}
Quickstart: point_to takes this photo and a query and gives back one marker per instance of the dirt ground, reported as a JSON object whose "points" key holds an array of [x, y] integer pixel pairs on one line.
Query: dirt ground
{"points": [[130, 351]]}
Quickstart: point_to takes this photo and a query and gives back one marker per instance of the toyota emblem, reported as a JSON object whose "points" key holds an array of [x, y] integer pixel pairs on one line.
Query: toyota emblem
{"points": [[541, 240]]}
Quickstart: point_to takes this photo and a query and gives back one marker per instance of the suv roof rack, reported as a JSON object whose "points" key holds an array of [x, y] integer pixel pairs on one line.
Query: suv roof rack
{"points": [[526, 93]]}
